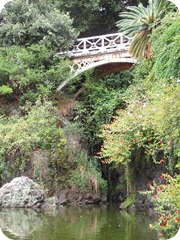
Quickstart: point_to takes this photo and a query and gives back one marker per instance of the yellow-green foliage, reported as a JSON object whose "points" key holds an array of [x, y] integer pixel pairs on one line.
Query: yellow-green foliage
{"points": [[27, 73], [4, 89], [150, 122], [128, 202]]}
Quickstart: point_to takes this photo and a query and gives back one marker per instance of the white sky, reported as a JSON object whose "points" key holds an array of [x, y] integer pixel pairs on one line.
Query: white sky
{"points": [[177, 2], [2, 2]]}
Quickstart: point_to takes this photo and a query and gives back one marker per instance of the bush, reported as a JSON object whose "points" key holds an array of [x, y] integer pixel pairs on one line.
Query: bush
{"points": [[86, 176], [149, 122], [128, 202], [5, 90], [19, 136], [165, 198], [31, 71]]}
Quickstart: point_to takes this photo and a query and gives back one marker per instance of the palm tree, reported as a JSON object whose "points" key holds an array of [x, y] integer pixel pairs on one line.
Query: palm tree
{"points": [[139, 22]]}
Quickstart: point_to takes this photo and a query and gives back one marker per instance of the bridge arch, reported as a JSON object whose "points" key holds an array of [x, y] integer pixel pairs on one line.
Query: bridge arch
{"points": [[106, 54]]}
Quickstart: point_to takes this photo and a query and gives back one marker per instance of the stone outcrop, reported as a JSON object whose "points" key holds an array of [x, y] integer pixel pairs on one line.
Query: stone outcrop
{"points": [[69, 197], [51, 202], [21, 192]]}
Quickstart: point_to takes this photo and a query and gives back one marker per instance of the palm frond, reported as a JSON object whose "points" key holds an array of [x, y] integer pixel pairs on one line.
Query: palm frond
{"points": [[139, 21], [139, 44]]}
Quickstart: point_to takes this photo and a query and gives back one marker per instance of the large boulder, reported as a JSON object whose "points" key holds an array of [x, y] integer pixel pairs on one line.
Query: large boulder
{"points": [[21, 192]]}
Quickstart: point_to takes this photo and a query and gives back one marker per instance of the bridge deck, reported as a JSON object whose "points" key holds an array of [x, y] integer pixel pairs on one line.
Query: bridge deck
{"points": [[99, 45], [98, 51]]}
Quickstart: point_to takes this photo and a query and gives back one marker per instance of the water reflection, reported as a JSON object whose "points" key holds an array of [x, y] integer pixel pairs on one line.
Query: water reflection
{"points": [[75, 223]]}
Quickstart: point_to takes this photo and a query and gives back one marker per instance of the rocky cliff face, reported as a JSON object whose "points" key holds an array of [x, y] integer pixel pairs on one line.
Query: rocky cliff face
{"points": [[76, 197], [142, 178], [22, 192]]}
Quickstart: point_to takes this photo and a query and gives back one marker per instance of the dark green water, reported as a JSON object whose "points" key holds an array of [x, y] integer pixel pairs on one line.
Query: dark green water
{"points": [[76, 223]]}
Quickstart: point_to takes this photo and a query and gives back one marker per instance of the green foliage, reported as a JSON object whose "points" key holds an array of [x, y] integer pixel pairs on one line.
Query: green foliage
{"points": [[166, 47], [86, 176], [31, 71], [20, 136], [79, 171], [149, 122], [26, 23], [128, 202], [99, 102], [139, 21], [130, 132], [5, 90], [31, 35], [165, 198], [166, 120], [73, 129], [148, 125], [99, 16]]}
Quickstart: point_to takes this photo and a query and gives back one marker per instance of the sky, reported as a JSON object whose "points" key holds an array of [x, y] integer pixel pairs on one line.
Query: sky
{"points": [[2, 2]]}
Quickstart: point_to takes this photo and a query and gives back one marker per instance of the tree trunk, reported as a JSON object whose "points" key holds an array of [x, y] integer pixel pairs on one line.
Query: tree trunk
{"points": [[129, 180], [148, 51]]}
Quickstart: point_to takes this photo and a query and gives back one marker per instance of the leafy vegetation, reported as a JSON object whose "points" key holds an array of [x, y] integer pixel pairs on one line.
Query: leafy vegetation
{"points": [[86, 177], [32, 33], [5, 90], [21, 135], [139, 21], [166, 206], [98, 103], [132, 118], [128, 202], [149, 124], [166, 49], [30, 72], [99, 16], [35, 22]]}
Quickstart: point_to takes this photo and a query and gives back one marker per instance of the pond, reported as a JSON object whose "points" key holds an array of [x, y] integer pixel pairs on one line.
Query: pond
{"points": [[76, 223]]}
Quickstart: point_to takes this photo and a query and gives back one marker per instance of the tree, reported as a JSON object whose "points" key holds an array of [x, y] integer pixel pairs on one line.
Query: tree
{"points": [[139, 22], [99, 16], [31, 33], [147, 129], [26, 23]]}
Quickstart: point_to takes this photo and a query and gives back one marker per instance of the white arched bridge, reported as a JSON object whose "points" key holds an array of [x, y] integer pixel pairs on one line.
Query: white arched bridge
{"points": [[106, 53]]}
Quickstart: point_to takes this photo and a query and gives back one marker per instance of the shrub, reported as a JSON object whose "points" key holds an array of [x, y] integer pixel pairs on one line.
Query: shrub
{"points": [[86, 176], [128, 202], [19, 136], [165, 198], [5, 90]]}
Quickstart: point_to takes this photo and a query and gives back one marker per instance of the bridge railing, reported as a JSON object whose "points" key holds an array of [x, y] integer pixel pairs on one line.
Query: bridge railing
{"points": [[99, 44]]}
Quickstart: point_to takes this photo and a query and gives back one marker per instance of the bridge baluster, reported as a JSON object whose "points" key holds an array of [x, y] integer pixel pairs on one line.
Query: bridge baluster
{"points": [[99, 44], [93, 52]]}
